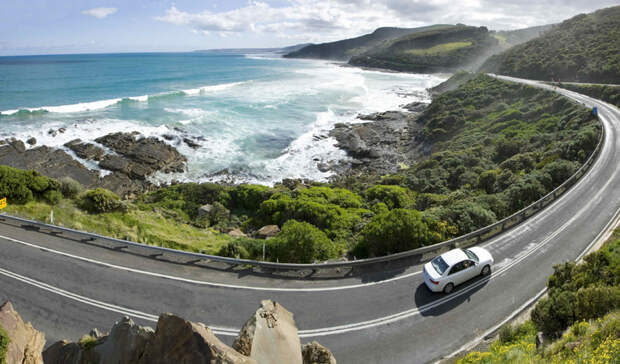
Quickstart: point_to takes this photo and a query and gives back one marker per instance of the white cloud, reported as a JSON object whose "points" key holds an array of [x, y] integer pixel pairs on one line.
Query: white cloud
{"points": [[100, 13], [325, 20]]}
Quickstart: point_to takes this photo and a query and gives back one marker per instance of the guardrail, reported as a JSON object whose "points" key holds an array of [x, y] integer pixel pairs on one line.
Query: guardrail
{"points": [[420, 254]]}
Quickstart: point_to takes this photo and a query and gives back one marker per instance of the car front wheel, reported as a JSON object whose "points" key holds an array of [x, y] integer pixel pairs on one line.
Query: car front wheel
{"points": [[486, 270], [448, 288]]}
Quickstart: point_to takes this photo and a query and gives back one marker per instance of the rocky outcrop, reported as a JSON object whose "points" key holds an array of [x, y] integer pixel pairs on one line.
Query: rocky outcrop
{"points": [[132, 161], [315, 353], [179, 341], [382, 145], [268, 231], [270, 336], [144, 156], [26, 342], [85, 150]]}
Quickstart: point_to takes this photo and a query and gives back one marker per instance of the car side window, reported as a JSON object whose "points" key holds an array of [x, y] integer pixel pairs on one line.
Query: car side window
{"points": [[457, 268], [467, 264]]}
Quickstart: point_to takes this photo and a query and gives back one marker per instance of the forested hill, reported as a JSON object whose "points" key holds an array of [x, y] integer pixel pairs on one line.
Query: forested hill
{"points": [[583, 48], [343, 50], [436, 50]]}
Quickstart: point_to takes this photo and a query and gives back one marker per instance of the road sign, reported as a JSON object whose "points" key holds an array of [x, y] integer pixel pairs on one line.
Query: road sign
{"points": [[3, 203]]}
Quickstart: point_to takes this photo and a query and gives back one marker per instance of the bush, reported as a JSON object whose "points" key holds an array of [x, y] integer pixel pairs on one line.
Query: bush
{"points": [[100, 200], [52, 196], [20, 186], [5, 340], [392, 232], [300, 242], [249, 197], [69, 187], [395, 197]]}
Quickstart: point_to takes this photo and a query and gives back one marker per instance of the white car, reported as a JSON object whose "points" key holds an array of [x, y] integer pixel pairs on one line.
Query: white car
{"points": [[455, 267]]}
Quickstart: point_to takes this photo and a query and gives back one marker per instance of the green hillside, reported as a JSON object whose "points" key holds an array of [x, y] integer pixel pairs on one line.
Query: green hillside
{"points": [[585, 48], [343, 50], [437, 50]]}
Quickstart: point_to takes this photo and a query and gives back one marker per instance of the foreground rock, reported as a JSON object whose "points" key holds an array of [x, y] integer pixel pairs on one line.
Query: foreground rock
{"points": [[270, 336], [315, 353], [26, 342]]}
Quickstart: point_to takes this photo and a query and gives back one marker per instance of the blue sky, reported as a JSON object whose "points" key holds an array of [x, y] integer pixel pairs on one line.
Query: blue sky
{"points": [[94, 26]]}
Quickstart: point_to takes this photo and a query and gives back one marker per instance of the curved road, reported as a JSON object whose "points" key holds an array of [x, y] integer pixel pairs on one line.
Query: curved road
{"points": [[66, 288]]}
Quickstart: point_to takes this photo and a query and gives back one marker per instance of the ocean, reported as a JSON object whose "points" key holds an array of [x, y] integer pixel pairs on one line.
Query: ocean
{"points": [[259, 118]]}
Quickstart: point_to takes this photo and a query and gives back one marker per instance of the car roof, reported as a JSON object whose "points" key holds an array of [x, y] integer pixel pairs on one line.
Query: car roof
{"points": [[454, 256]]}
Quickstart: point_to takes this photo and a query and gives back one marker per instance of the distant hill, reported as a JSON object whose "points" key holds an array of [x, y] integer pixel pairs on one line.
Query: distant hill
{"points": [[343, 50], [583, 48], [442, 49], [282, 50], [510, 38]]}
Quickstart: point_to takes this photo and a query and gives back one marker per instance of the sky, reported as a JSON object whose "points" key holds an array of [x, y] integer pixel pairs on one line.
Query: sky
{"points": [[105, 26]]}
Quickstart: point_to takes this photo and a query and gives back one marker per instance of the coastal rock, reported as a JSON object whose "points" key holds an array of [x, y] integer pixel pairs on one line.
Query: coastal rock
{"points": [[147, 154], [270, 336], [31, 141], [268, 231], [26, 342], [85, 150], [179, 341], [190, 143], [113, 162], [48, 161], [64, 352], [315, 353]]}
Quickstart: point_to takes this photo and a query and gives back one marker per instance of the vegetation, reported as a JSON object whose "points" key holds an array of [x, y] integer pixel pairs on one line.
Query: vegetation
{"points": [[24, 186], [88, 342], [584, 48], [582, 311], [434, 50], [495, 147], [5, 340], [607, 93]]}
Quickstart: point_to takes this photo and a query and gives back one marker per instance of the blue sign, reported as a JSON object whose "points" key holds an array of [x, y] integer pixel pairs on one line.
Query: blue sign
{"points": [[595, 111]]}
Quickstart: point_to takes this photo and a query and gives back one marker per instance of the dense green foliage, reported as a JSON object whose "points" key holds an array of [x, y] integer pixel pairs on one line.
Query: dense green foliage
{"points": [[435, 50], [581, 291], [300, 242], [607, 93], [20, 186], [4, 344], [100, 200], [584, 48]]}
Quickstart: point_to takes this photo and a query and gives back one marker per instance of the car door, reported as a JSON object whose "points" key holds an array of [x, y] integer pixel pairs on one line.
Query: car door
{"points": [[456, 273], [470, 270]]}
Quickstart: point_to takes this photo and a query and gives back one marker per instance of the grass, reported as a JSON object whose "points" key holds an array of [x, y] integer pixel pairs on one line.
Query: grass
{"points": [[501, 38], [4, 344], [148, 226], [88, 342], [440, 48]]}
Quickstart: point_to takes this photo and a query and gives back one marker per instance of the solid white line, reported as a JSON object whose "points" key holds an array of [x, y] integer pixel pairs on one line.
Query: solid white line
{"points": [[206, 283]]}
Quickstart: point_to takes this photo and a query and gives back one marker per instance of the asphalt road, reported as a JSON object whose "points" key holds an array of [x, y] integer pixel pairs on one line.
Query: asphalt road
{"points": [[65, 288]]}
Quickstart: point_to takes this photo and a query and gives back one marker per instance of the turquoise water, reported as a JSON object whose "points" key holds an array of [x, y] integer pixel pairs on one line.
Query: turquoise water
{"points": [[256, 116]]}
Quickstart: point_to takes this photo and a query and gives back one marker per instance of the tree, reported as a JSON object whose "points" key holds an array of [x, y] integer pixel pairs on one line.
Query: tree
{"points": [[395, 231], [301, 242]]}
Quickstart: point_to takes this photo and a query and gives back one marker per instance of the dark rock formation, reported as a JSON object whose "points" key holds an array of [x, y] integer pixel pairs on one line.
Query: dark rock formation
{"points": [[26, 342], [268, 231], [315, 353], [381, 146], [85, 150]]}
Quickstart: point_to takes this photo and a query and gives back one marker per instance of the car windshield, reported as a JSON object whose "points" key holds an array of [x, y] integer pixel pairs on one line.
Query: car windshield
{"points": [[440, 265], [471, 255]]}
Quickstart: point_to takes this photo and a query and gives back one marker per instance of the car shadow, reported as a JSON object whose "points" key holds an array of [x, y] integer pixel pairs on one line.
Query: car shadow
{"points": [[437, 303]]}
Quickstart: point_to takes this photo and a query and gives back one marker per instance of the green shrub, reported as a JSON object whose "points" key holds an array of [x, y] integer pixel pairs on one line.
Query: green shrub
{"points": [[20, 186], [69, 187], [5, 340], [395, 197], [100, 200], [300, 242], [392, 232], [249, 197], [52, 196]]}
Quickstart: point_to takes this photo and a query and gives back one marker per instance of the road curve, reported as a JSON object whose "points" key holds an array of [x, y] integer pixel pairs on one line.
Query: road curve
{"points": [[66, 288]]}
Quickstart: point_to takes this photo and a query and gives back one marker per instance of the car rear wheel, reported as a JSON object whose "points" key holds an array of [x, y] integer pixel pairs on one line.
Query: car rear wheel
{"points": [[448, 288], [486, 270]]}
